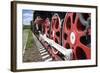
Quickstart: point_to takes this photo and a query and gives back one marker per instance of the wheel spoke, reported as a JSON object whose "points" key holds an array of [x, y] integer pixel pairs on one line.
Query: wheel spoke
{"points": [[75, 23], [54, 51], [81, 33]]}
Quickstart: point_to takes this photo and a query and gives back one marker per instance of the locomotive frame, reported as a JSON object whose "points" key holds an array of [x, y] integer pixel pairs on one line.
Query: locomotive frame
{"points": [[16, 27]]}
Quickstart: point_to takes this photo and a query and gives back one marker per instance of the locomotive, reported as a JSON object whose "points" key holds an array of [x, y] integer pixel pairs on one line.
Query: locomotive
{"points": [[65, 35]]}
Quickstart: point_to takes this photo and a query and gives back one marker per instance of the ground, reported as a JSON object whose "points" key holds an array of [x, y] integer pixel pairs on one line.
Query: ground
{"points": [[31, 53]]}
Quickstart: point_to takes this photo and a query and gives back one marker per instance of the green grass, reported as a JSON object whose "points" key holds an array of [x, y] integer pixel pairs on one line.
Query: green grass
{"points": [[29, 40], [26, 26]]}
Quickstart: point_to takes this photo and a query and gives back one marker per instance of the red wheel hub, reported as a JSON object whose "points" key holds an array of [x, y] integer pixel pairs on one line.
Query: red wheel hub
{"points": [[73, 31]]}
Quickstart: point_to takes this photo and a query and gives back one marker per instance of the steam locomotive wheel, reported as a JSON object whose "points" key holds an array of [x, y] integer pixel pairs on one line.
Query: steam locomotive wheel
{"points": [[76, 36], [55, 31]]}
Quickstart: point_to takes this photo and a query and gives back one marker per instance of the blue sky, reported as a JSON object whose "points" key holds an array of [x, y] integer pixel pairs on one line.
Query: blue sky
{"points": [[27, 16]]}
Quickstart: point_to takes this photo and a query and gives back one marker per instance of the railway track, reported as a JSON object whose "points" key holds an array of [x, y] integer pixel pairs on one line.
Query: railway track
{"points": [[43, 52]]}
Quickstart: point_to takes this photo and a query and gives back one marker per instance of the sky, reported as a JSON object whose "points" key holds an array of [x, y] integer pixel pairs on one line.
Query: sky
{"points": [[27, 16]]}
